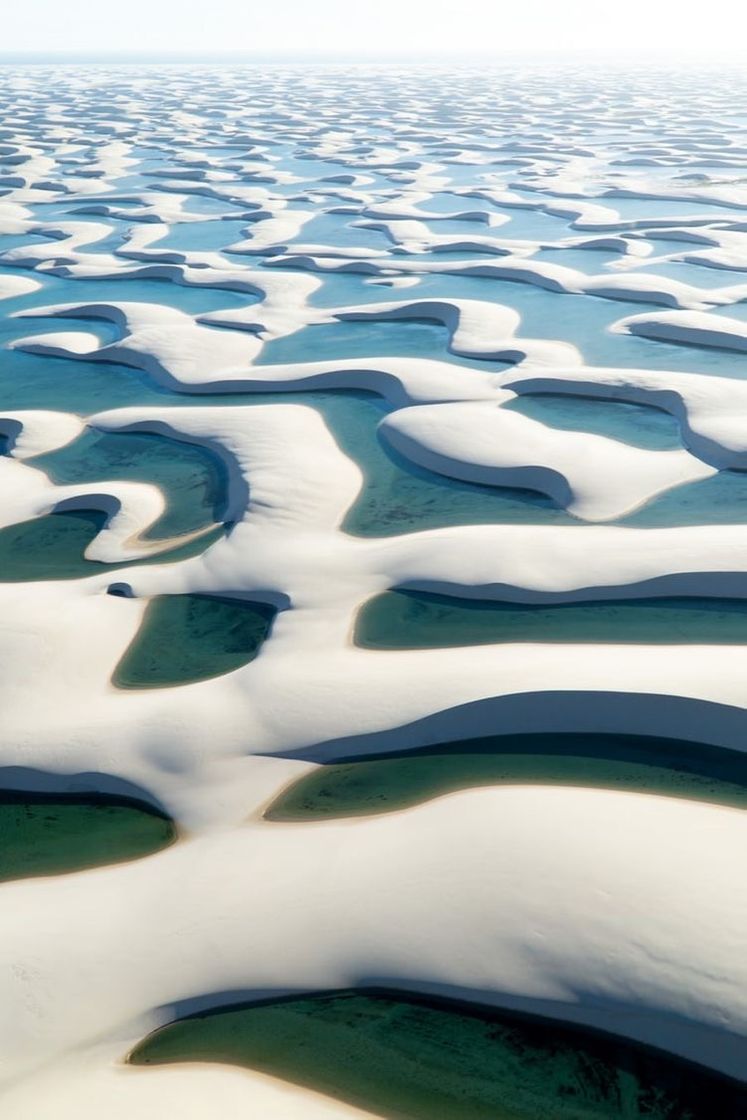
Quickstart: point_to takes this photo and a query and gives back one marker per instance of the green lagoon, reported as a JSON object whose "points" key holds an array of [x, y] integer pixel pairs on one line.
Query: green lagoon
{"points": [[384, 783], [185, 638], [402, 1058], [51, 834]]}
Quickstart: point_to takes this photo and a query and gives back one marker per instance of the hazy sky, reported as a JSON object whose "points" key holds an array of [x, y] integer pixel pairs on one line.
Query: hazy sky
{"points": [[372, 26]]}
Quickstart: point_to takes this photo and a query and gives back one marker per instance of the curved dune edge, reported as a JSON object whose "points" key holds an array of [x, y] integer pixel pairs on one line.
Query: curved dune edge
{"points": [[613, 969], [49, 833], [710, 409], [361, 1046], [131, 508], [692, 328], [299, 486], [97, 1084], [12, 286], [595, 478], [390, 782]]}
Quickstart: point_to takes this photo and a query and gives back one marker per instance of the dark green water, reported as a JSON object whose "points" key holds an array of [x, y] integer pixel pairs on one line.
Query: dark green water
{"points": [[46, 834], [381, 784], [417, 620], [191, 479], [187, 638], [408, 1059], [53, 547]]}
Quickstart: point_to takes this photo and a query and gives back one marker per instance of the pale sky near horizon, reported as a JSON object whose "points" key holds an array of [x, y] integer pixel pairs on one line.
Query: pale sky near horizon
{"points": [[374, 27]]}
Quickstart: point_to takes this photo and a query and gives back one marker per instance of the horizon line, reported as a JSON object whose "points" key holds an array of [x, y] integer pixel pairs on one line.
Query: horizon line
{"points": [[248, 57]]}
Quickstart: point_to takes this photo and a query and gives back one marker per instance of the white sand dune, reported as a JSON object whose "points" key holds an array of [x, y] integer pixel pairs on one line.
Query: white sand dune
{"points": [[712, 411], [689, 327], [622, 963], [595, 478]]}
